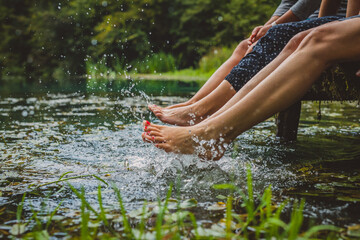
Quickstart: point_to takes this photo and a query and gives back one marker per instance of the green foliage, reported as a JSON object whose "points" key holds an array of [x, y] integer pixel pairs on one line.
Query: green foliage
{"points": [[262, 221], [213, 59], [56, 39], [172, 219], [156, 63]]}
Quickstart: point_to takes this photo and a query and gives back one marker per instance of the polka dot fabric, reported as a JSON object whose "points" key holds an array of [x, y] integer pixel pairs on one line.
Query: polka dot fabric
{"points": [[268, 47]]}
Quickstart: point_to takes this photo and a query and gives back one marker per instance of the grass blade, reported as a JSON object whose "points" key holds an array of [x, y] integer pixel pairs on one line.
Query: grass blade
{"points": [[20, 208], [160, 216], [127, 227]]}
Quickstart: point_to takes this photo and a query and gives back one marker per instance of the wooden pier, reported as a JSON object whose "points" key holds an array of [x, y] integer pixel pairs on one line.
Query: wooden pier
{"points": [[338, 83]]}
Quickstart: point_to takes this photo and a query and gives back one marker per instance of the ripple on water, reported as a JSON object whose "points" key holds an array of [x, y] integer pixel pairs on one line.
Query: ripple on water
{"points": [[101, 135]]}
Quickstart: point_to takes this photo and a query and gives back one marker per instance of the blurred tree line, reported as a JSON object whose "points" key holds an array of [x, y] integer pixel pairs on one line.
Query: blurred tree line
{"points": [[46, 39]]}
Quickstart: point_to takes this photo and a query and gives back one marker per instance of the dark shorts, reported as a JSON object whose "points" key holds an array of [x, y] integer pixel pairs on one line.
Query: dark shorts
{"points": [[268, 47]]}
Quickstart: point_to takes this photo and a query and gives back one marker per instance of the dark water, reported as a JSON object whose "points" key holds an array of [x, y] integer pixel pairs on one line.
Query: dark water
{"points": [[85, 129]]}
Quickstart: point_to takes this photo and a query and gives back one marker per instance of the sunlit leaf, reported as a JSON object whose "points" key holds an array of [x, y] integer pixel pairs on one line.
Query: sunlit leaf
{"points": [[189, 203], [217, 206], [18, 228], [353, 231]]}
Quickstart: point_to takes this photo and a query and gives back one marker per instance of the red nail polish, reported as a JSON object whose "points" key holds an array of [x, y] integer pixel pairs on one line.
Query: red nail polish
{"points": [[153, 138], [147, 122], [156, 145], [145, 127]]}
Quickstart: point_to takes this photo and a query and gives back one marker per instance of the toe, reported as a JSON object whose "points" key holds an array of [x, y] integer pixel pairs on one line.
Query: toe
{"points": [[153, 127], [155, 109], [146, 124], [157, 112], [156, 139], [143, 136], [153, 138], [151, 106], [147, 137], [155, 133]]}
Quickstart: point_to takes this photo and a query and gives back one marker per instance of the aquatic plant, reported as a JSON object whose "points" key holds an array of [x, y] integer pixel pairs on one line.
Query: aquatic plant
{"points": [[155, 63], [243, 216]]}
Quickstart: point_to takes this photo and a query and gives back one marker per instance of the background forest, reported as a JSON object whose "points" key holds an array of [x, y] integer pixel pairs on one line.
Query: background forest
{"points": [[47, 40]]}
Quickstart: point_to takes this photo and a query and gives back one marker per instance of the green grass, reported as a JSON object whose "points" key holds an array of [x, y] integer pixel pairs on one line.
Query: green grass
{"points": [[214, 58], [158, 66], [156, 63], [175, 219]]}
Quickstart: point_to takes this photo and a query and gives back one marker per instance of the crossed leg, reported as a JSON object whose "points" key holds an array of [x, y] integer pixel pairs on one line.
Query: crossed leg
{"points": [[284, 86]]}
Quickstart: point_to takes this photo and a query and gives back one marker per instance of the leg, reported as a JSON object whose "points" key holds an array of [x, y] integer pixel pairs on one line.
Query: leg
{"points": [[264, 52], [213, 82], [216, 79], [283, 87], [222, 98], [207, 100], [259, 77], [195, 113], [201, 109]]}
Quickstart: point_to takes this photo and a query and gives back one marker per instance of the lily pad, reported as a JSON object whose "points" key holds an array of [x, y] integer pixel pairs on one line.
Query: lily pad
{"points": [[189, 203], [353, 231], [217, 206], [18, 228]]}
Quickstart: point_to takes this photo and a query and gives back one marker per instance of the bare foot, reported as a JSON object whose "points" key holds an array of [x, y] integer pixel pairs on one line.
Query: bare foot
{"points": [[203, 141], [180, 116]]}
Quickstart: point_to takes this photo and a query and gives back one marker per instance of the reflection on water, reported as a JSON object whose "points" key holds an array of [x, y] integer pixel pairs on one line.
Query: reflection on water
{"points": [[44, 135]]}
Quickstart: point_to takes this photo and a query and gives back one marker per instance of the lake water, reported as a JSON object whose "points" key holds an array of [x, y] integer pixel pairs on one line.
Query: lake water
{"points": [[96, 130]]}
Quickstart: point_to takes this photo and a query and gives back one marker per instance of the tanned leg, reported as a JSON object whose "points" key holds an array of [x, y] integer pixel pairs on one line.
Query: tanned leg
{"points": [[283, 87], [200, 110], [223, 94], [260, 76], [215, 80]]}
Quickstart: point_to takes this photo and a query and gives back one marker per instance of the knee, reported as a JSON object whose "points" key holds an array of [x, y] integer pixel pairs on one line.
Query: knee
{"points": [[318, 41], [294, 42], [240, 50]]}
